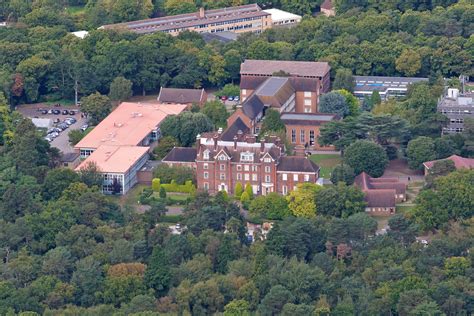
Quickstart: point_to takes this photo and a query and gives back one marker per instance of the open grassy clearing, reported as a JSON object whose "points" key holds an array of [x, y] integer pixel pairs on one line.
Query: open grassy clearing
{"points": [[327, 162]]}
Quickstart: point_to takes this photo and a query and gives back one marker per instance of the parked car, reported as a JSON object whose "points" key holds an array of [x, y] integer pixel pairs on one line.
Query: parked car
{"points": [[224, 97], [71, 119], [53, 135], [84, 127], [48, 139], [72, 112], [57, 105], [231, 98], [56, 121], [237, 98], [44, 112], [56, 112], [65, 112], [50, 111], [57, 130]]}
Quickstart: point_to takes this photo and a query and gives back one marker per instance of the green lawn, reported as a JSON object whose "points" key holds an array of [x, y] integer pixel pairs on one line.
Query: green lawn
{"points": [[327, 162], [75, 9], [403, 208], [177, 197]]}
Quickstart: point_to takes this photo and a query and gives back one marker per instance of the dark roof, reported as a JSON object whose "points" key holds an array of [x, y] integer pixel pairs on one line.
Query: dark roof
{"points": [[252, 106], [183, 96], [297, 164], [275, 91], [294, 68], [69, 157], [233, 130], [251, 82], [190, 19], [181, 154], [314, 119], [380, 198], [298, 83]]}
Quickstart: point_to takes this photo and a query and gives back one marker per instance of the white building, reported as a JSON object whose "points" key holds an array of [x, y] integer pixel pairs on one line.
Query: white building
{"points": [[280, 17]]}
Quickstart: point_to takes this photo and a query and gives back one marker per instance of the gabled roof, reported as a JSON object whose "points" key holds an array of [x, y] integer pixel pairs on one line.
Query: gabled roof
{"points": [[233, 130], [297, 164], [459, 162], [294, 68], [275, 91], [252, 106], [181, 154], [380, 198], [180, 96]]}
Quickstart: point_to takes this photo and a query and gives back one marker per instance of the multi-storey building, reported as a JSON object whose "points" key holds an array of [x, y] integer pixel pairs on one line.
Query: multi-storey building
{"points": [[241, 19], [221, 164], [457, 107], [119, 145], [290, 87]]}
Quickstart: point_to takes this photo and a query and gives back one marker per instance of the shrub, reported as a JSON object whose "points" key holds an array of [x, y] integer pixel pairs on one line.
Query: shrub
{"points": [[238, 190], [162, 193], [249, 190], [156, 184], [245, 199]]}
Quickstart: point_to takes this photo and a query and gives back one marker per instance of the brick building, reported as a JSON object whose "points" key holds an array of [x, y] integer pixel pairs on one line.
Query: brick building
{"points": [[381, 194], [290, 87], [240, 19], [182, 96], [221, 164]]}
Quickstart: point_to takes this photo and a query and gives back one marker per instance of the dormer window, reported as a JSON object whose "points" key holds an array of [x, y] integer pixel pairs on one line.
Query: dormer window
{"points": [[205, 154], [267, 160], [222, 157], [246, 156]]}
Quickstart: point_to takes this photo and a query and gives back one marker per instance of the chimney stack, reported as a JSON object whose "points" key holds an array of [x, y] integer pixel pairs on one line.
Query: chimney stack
{"points": [[202, 13], [262, 145], [235, 143], [216, 137]]}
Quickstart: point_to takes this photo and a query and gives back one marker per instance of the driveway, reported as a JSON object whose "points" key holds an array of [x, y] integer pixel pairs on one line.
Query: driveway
{"points": [[62, 141]]}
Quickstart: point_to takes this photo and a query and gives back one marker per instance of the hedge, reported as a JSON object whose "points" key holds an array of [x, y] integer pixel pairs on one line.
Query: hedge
{"points": [[188, 187]]}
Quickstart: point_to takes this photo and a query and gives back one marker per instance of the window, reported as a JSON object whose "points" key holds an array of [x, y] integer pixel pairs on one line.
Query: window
{"points": [[267, 160], [239, 167], [247, 177], [267, 169], [254, 168], [311, 137], [244, 92], [307, 94], [307, 109], [206, 186], [246, 156], [302, 136], [295, 177], [205, 154], [222, 167], [284, 189], [205, 166], [284, 177], [222, 176], [307, 101], [254, 177], [293, 136], [267, 178], [222, 157], [206, 175], [239, 176], [306, 177], [246, 168]]}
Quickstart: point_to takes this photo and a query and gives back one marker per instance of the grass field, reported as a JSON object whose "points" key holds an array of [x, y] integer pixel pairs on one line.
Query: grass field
{"points": [[75, 9], [177, 197], [327, 162]]}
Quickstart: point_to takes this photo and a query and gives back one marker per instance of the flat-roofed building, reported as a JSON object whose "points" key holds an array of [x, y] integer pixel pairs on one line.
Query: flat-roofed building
{"points": [[240, 19], [119, 145], [130, 124], [386, 86], [283, 18], [456, 107], [118, 165]]}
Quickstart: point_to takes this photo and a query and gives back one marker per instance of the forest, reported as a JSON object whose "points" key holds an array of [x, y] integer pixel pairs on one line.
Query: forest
{"points": [[66, 249]]}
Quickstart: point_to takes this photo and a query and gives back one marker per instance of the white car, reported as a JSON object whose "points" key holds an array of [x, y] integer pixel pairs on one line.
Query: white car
{"points": [[84, 127]]}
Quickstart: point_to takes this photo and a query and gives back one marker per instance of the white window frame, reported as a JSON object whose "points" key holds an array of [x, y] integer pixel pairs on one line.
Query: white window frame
{"points": [[284, 177], [295, 177], [267, 169], [307, 94], [254, 177]]}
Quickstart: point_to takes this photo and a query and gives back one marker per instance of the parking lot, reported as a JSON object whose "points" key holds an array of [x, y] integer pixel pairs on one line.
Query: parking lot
{"points": [[62, 140]]}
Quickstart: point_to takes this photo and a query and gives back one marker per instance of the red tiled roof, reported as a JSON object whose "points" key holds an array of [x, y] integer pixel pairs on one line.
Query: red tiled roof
{"points": [[380, 198], [379, 192], [459, 162], [294, 68]]}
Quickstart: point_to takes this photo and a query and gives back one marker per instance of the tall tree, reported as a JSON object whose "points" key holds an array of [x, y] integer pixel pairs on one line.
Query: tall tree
{"points": [[366, 156], [96, 105], [157, 274], [344, 80], [420, 150], [333, 102], [120, 89]]}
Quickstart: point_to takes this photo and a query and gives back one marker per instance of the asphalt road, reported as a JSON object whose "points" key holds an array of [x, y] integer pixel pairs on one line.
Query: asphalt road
{"points": [[62, 141]]}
